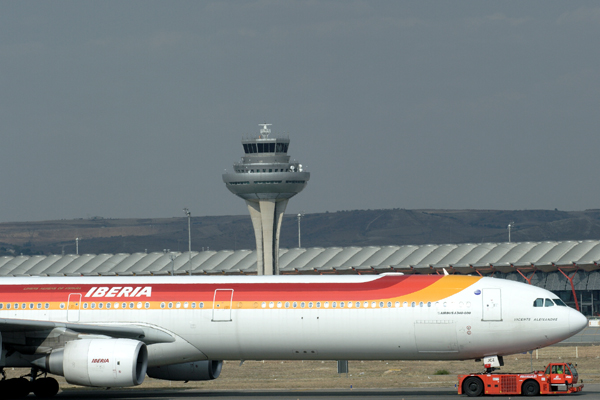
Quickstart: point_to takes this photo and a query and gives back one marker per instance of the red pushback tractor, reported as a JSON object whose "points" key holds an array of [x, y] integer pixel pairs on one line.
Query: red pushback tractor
{"points": [[557, 378]]}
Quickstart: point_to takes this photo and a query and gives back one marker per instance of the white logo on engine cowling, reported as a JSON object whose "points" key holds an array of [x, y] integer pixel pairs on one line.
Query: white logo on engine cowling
{"points": [[120, 291]]}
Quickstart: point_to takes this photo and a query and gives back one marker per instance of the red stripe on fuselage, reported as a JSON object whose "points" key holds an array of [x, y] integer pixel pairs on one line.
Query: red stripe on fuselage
{"points": [[380, 288]]}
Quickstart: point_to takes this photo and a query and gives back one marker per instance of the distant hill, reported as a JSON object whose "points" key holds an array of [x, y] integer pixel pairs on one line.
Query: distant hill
{"points": [[343, 228]]}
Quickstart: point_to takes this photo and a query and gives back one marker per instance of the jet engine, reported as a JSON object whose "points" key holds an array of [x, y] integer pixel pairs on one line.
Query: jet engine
{"points": [[99, 362], [193, 371]]}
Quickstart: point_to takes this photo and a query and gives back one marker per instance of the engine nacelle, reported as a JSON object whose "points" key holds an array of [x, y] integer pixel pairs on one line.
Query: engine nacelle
{"points": [[192, 371], [100, 362]]}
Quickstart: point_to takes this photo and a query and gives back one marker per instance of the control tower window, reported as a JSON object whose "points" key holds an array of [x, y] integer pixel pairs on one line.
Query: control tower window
{"points": [[246, 148], [271, 147], [282, 147]]}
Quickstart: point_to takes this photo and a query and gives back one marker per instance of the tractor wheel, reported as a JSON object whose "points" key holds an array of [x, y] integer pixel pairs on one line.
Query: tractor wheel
{"points": [[530, 388], [473, 386]]}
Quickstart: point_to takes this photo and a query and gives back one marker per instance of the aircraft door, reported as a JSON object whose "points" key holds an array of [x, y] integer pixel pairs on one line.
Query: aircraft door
{"points": [[222, 302], [73, 307], [492, 304]]}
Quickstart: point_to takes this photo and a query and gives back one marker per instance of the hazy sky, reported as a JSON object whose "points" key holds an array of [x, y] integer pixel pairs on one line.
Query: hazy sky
{"points": [[135, 108]]}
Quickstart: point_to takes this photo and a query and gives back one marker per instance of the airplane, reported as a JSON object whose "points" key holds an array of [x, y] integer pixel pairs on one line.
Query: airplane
{"points": [[113, 331]]}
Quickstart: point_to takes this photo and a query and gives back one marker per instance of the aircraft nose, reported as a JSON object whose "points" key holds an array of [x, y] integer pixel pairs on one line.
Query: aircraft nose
{"points": [[577, 321]]}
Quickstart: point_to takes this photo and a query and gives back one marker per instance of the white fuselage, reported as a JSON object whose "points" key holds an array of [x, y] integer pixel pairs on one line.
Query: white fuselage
{"points": [[357, 318]]}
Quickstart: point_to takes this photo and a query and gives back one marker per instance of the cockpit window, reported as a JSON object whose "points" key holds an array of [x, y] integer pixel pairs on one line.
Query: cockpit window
{"points": [[538, 303], [549, 303], [559, 302]]}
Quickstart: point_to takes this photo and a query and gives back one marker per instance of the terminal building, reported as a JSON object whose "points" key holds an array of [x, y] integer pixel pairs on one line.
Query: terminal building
{"points": [[571, 269], [266, 179]]}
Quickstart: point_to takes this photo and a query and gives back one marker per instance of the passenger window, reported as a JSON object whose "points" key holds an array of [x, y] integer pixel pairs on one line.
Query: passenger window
{"points": [[538, 303], [549, 303]]}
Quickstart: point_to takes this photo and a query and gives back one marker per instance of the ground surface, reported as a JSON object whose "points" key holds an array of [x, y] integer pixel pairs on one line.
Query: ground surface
{"points": [[371, 374]]}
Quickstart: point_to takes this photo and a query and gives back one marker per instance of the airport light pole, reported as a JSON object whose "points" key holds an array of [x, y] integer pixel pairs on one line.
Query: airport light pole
{"points": [[300, 215], [172, 257], [189, 217], [510, 225]]}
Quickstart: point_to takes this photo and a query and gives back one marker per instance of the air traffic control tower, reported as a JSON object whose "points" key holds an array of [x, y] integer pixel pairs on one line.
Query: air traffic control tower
{"points": [[266, 179]]}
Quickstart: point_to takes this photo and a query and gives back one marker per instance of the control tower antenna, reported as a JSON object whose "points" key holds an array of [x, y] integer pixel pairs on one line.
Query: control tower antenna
{"points": [[264, 132], [266, 179]]}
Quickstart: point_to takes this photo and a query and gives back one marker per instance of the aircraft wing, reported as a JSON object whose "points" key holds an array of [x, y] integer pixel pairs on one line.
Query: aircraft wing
{"points": [[149, 335]]}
